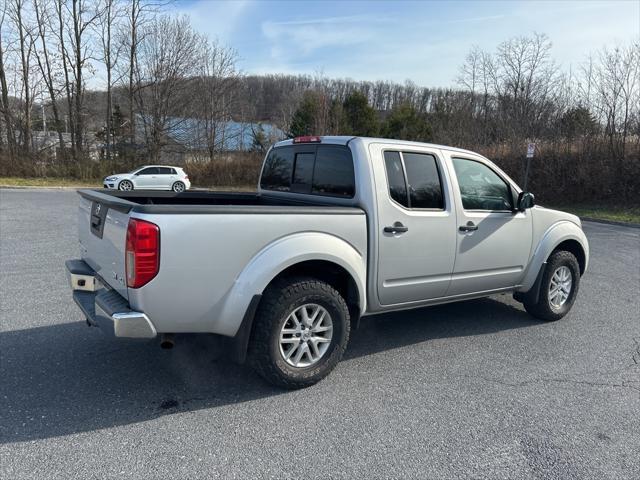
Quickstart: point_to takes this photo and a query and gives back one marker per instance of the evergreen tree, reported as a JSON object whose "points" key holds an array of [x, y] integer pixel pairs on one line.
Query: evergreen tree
{"points": [[304, 119], [359, 118], [406, 123]]}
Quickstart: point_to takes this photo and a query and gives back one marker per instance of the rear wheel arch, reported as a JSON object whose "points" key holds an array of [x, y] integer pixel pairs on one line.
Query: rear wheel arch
{"points": [[324, 257], [330, 272], [325, 271]]}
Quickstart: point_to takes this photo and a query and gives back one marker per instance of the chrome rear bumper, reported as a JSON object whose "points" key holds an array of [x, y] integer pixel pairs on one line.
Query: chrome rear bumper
{"points": [[103, 307]]}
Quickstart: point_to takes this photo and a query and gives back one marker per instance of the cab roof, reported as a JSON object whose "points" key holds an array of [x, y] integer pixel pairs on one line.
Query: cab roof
{"points": [[345, 139]]}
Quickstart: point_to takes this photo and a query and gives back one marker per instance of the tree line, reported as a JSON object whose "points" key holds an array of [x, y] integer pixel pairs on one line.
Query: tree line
{"points": [[155, 73]]}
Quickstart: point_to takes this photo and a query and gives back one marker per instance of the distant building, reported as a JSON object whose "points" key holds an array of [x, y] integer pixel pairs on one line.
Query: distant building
{"points": [[189, 139]]}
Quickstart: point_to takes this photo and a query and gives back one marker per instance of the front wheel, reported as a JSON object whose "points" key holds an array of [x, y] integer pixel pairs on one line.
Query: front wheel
{"points": [[300, 332], [125, 186], [178, 187], [558, 289]]}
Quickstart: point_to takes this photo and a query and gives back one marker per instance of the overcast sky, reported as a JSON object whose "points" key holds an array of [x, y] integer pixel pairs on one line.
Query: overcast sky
{"points": [[424, 41]]}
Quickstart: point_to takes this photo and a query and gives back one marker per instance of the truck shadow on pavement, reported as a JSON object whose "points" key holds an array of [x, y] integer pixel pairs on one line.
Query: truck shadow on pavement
{"points": [[68, 378]]}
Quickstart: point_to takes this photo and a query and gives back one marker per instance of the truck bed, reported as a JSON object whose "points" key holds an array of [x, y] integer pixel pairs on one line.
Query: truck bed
{"points": [[209, 242], [208, 202]]}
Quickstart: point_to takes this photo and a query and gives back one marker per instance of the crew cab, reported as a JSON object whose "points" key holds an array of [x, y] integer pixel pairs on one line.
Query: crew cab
{"points": [[339, 228]]}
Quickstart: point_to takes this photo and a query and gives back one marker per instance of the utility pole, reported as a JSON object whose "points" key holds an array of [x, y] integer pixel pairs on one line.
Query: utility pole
{"points": [[44, 121]]}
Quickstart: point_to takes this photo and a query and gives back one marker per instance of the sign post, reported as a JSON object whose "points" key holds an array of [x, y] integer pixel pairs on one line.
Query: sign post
{"points": [[531, 149]]}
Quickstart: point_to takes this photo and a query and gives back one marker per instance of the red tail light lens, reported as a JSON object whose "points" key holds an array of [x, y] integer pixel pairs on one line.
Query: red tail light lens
{"points": [[142, 257]]}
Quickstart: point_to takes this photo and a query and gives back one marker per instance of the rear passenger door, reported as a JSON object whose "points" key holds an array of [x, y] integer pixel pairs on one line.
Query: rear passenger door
{"points": [[166, 177], [416, 237]]}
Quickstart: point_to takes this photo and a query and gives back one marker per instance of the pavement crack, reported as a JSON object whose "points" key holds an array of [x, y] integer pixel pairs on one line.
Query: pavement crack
{"points": [[635, 356]]}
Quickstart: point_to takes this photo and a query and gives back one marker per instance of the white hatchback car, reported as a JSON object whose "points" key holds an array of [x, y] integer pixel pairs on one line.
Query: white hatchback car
{"points": [[150, 177]]}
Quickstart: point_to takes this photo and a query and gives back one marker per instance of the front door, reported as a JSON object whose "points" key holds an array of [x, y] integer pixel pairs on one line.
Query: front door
{"points": [[416, 229], [493, 243], [147, 178]]}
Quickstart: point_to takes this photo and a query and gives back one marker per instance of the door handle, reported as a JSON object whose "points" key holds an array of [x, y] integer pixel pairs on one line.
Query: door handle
{"points": [[396, 228], [469, 227]]}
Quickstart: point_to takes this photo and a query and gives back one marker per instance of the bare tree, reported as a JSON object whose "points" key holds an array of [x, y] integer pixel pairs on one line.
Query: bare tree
{"points": [[46, 64], [26, 51], [5, 106], [524, 78], [139, 14], [216, 94], [167, 62], [617, 79], [109, 12], [83, 17]]}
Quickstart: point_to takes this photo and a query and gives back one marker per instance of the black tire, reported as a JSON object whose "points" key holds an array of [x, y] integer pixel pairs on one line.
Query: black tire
{"points": [[278, 301], [125, 182], [178, 187], [541, 307]]}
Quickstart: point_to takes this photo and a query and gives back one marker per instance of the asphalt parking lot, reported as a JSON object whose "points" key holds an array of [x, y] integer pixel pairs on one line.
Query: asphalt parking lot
{"points": [[477, 389]]}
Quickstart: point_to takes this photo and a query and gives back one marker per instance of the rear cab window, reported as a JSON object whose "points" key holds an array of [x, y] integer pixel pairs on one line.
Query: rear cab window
{"points": [[313, 169]]}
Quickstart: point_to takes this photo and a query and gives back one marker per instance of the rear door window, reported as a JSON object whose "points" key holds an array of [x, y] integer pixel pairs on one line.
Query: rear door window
{"points": [[425, 190], [414, 180], [395, 178]]}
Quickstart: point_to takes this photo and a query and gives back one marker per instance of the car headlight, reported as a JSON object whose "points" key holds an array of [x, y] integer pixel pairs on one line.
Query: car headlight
{"points": [[110, 179]]}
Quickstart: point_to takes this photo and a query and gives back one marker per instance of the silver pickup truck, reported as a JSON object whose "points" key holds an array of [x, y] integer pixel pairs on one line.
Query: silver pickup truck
{"points": [[340, 227]]}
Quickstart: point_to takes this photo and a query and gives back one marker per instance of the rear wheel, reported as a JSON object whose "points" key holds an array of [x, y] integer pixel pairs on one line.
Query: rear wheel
{"points": [[125, 186], [178, 187], [558, 289], [300, 332]]}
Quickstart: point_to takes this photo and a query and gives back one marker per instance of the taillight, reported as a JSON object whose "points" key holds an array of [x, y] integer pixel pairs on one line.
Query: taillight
{"points": [[142, 257]]}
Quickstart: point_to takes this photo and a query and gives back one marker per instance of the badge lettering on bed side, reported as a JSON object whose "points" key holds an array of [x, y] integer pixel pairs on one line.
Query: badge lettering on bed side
{"points": [[117, 278]]}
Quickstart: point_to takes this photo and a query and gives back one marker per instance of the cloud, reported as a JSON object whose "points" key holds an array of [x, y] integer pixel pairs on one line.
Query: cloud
{"points": [[302, 38], [216, 19]]}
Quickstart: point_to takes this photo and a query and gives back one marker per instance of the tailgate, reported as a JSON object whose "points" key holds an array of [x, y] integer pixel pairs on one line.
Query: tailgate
{"points": [[102, 230]]}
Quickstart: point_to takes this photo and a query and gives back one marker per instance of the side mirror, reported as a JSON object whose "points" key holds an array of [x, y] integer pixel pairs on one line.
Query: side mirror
{"points": [[525, 200]]}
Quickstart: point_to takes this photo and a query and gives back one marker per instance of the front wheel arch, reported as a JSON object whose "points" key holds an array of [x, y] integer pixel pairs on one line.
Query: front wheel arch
{"points": [[576, 249]]}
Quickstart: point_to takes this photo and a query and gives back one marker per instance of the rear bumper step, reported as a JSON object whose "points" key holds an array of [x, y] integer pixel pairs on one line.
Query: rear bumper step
{"points": [[103, 307]]}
